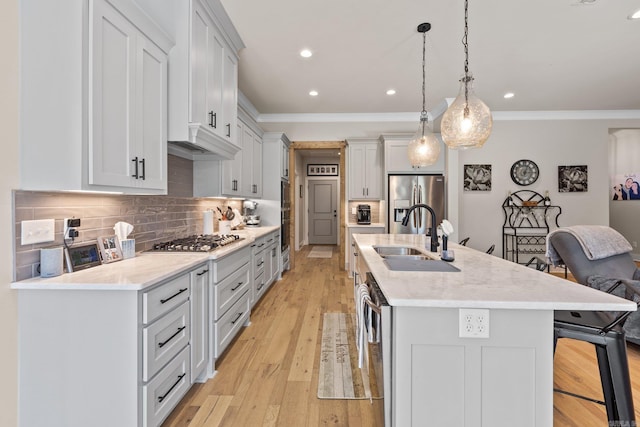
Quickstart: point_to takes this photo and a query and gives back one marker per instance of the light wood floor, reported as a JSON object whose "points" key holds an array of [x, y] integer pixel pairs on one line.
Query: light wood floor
{"points": [[269, 374]]}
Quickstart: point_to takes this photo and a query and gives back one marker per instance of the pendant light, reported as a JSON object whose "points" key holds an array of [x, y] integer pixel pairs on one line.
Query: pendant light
{"points": [[467, 122], [424, 147]]}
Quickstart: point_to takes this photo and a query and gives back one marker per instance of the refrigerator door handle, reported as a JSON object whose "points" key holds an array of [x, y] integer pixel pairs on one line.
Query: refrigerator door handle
{"points": [[414, 200], [420, 201]]}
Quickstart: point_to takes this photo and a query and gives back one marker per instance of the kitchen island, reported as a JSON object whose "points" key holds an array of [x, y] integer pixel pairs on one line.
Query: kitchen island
{"points": [[437, 377]]}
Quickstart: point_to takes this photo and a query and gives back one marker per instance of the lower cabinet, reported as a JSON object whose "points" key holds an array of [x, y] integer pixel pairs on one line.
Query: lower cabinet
{"points": [[119, 357], [229, 303]]}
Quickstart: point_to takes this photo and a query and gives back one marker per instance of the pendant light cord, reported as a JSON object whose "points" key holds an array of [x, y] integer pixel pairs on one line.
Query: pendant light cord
{"points": [[424, 62], [465, 43]]}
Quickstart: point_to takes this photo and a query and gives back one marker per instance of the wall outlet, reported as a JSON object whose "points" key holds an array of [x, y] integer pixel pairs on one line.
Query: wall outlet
{"points": [[69, 226], [473, 323], [353, 211], [37, 231]]}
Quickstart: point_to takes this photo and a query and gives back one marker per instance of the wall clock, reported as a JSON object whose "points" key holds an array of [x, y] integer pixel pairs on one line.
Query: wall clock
{"points": [[524, 172]]}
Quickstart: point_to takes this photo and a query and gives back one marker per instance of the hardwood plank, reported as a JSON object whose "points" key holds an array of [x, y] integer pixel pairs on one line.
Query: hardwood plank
{"points": [[269, 375]]}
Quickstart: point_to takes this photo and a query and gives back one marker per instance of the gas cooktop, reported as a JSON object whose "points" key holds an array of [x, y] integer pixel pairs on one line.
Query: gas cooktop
{"points": [[196, 243]]}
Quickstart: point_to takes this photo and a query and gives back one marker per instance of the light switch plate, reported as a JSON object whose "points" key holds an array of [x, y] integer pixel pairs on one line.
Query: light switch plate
{"points": [[37, 231]]}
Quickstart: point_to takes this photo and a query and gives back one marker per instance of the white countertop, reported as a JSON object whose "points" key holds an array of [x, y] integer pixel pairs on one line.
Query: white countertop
{"points": [[373, 224], [484, 281], [144, 270]]}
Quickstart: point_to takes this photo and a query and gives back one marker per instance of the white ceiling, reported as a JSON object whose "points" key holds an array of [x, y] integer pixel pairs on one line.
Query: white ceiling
{"points": [[553, 54]]}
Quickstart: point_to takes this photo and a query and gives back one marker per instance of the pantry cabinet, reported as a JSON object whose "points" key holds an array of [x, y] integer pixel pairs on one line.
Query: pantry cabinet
{"points": [[365, 169], [203, 82], [104, 94]]}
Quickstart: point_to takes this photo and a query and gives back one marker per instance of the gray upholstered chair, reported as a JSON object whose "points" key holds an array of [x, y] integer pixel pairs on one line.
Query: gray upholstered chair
{"points": [[616, 274]]}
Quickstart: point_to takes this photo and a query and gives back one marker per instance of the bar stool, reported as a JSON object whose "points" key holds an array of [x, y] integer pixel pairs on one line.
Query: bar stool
{"points": [[602, 329]]}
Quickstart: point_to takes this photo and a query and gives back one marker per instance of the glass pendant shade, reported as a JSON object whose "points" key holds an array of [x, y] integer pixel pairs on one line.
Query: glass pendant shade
{"points": [[424, 147], [467, 122]]}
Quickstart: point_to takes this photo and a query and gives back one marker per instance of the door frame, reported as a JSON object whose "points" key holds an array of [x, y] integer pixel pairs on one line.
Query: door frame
{"points": [[318, 145]]}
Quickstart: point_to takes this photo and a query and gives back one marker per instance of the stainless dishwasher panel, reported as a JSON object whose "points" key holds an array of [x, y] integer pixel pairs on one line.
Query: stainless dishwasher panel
{"points": [[381, 351]]}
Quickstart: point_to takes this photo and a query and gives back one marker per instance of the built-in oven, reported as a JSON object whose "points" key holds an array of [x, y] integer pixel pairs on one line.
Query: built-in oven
{"points": [[380, 350]]}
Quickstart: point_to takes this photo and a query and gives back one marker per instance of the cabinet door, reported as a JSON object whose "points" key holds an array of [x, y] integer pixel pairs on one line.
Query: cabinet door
{"points": [[231, 170], [257, 167], [357, 188], [373, 171], [200, 64], [215, 113], [230, 97], [151, 99], [199, 321], [111, 97], [246, 177]]}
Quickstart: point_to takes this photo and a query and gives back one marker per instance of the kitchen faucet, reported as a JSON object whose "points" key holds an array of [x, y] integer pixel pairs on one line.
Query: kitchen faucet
{"points": [[434, 231]]}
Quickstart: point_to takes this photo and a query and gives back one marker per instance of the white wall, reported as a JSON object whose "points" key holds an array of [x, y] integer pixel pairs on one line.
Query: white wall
{"points": [[9, 166], [550, 144]]}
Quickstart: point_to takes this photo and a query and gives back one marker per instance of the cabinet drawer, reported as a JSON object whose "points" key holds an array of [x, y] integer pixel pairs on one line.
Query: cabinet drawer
{"points": [[163, 339], [164, 298], [163, 393], [258, 263], [225, 266], [258, 245], [259, 285], [228, 326], [229, 290]]}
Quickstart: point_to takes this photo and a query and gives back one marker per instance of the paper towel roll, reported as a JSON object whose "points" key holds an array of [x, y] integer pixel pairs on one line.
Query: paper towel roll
{"points": [[207, 219]]}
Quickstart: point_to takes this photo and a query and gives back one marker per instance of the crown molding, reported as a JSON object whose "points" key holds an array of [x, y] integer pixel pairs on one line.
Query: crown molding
{"points": [[437, 112]]}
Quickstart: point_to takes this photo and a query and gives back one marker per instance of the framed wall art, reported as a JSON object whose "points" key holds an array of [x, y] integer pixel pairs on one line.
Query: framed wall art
{"points": [[477, 178], [573, 179], [626, 186], [110, 248], [322, 170]]}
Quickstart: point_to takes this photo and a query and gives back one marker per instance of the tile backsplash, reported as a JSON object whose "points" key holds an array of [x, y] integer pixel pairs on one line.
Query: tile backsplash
{"points": [[154, 218]]}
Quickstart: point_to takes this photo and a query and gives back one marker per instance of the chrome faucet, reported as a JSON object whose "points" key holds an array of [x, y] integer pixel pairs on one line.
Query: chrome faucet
{"points": [[434, 231]]}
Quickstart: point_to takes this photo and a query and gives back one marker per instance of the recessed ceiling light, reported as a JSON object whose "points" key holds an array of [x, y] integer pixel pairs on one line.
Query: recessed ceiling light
{"points": [[313, 93], [306, 53], [509, 95], [391, 92], [635, 15]]}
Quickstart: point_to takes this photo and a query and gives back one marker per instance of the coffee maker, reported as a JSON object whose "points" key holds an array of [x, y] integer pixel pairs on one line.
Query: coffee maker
{"points": [[250, 218], [364, 214]]}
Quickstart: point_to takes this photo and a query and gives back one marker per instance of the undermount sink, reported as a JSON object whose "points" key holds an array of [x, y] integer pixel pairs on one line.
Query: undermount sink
{"points": [[404, 258], [397, 250]]}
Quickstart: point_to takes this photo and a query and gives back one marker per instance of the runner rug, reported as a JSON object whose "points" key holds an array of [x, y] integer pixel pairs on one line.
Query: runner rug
{"points": [[340, 377], [321, 252]]}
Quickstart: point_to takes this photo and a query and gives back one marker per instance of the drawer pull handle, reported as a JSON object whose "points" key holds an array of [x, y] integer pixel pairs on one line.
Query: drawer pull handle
{"points": [[161, 398], [239, 284], [162, 344], [261, 245], [261, 286], [203, 272], [260, 263], [162, 301], [239, 315]]}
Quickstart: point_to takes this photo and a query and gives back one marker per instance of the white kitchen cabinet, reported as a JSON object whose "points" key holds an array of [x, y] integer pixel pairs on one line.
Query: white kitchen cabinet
{"points": [[127, 103], [257, 269], [351, 246], [365, 169], [106, 100], [203, 81], [199, 280], [229, 300], [272, 255], [106, 349], [396, 157], [238, 177]]}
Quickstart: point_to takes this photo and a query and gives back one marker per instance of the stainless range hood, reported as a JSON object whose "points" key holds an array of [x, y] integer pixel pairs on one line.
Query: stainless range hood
{"points": [[203, 143]]}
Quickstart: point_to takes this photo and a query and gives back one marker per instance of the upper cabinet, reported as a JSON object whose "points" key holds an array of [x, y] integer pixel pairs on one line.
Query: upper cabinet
{"points": [[203, 81], [365, 169], [94, 113], [396, 158]]}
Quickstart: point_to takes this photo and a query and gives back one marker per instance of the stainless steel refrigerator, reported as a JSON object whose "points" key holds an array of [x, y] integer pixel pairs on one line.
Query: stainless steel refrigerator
{"points": [[408, 190]]}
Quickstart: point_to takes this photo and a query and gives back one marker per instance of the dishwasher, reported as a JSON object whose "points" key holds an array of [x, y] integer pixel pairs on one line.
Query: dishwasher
{"points": [[380, 351]]}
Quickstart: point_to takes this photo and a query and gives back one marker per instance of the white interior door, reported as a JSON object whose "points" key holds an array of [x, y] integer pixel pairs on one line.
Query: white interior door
{"points": [[323, 214]]}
